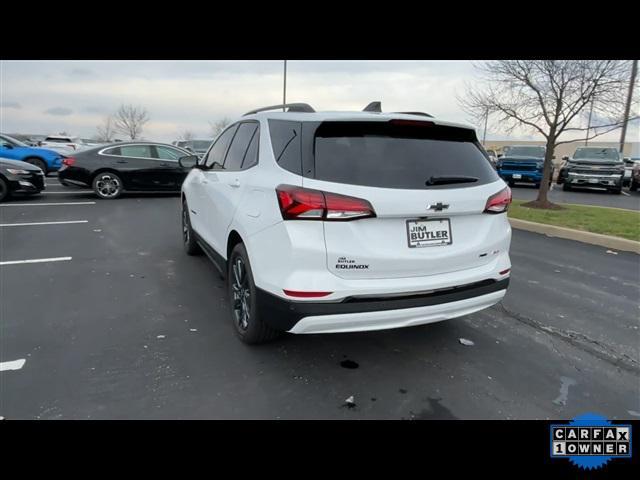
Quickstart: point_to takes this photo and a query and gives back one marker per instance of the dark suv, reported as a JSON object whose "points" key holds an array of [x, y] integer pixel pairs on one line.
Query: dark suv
{"points": [[600, 167]]}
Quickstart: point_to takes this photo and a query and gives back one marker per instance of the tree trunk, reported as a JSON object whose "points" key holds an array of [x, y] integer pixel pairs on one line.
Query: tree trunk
{"points": [[542, 201]]}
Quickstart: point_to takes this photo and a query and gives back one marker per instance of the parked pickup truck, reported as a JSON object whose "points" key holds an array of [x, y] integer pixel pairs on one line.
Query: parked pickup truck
{"points": [[522, 164], [593, 167]]}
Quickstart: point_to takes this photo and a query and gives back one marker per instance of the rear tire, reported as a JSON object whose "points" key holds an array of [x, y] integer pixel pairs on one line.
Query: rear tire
{"points": [[566, 187], [188, 237], [633, 187], [37, 163], [247, 320], [511, 183], [616, 191], [107, 185], [4, 190]]}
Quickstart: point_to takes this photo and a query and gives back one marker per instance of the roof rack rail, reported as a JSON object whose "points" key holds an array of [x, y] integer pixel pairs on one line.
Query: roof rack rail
{"points": [[373, 107], [416, 113], [291, 107]]}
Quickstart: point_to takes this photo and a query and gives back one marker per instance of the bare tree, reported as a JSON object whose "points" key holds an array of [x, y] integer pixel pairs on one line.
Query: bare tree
{"points": [[186, 135], [547, 97], [106, 131], [130, 120], [218, 126]]}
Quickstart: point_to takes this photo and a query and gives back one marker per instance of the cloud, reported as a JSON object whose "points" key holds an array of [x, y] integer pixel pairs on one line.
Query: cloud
{"points": [[59, 111], [10, 105]]}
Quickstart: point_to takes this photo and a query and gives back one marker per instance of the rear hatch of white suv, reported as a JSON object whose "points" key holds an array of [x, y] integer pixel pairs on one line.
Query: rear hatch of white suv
{"points": [[403, 198]]}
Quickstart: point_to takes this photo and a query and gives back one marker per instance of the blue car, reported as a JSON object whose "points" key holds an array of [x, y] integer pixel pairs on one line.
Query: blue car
{"points": [[47, 160], [522, 164]]}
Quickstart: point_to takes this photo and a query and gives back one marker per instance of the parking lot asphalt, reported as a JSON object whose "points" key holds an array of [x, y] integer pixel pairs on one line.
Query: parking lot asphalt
{"points": [[584, 196], [131, 327]]}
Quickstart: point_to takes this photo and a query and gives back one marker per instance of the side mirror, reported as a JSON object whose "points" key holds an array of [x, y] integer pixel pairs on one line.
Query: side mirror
{"points": [[565, 158], [188, 161]]}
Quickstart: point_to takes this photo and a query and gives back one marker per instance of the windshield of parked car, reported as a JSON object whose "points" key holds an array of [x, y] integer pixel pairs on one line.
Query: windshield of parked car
{"points": [[17, 143], [535, 152], [597, 154]]}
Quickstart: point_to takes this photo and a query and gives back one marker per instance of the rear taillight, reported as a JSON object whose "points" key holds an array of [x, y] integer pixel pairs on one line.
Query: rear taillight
{"points": [[68, 161], [499, 202], [297, 203]]}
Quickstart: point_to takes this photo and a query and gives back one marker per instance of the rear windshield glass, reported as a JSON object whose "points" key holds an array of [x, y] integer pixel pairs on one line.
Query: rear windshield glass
{"points": [[400, 155]]}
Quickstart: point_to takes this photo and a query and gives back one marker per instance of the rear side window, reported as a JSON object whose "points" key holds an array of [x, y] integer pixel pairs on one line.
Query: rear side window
{"points": [[398, 154], [140, 151], [285, 140], [251, 157], [239, 146], [113, 151], [219, 149]]}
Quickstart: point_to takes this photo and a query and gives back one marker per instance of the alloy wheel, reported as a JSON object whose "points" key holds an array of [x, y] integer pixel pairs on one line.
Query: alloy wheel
{"points": [[241, 294]]}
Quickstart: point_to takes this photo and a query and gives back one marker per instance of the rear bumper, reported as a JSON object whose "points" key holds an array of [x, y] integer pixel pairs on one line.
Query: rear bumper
{"points": [[379, 312]]}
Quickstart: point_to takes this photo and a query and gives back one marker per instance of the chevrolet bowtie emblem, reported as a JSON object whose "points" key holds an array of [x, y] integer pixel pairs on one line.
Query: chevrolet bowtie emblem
{"points": [[438, 207]]}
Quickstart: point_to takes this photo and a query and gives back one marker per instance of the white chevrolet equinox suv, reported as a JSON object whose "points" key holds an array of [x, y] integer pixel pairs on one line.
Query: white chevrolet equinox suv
{"points": [[348, 221]]}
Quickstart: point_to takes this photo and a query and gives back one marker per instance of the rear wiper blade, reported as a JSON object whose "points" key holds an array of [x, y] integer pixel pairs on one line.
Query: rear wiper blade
{"points": [[449, 180]]}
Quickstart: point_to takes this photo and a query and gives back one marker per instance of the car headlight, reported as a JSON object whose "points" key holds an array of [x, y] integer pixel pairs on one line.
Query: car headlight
{"points": [[18, 171]]}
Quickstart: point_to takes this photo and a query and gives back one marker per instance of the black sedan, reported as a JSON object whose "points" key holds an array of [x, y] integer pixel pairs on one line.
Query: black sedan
{"points": [[19, 177], [133, 166]]}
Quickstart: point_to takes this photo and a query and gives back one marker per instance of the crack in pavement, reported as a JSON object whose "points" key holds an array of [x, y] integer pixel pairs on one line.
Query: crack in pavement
{"points": [[580, 340]]}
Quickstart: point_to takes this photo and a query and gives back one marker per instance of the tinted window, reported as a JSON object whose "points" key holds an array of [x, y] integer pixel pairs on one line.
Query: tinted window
{"points": [[113, 151], [166, 153], [239, 146], [285, 140], [251, 157], [142, 151], [398, 155], [219, 149]]}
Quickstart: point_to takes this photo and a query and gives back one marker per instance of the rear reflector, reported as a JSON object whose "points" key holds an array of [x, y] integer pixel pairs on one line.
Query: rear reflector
{"points": [[297, 203], [294, 293], [504, 272], [68, 161], [499, 202]]}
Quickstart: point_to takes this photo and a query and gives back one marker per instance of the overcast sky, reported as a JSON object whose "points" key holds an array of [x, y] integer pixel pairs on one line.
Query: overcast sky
{"points": [[44, 97]]}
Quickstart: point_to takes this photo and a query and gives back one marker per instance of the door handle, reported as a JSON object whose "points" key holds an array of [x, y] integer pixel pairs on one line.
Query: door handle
{"points": [[236, 183], [122, 161]]}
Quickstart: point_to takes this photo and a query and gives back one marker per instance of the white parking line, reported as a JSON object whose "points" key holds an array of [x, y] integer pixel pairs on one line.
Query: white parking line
{"points": [[36, 260], [625, 193], [44, 204], [41, 223], [13, 365]]}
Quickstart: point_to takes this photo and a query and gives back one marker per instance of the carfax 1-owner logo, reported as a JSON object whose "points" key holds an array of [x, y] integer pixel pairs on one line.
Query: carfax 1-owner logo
{"points": [[589, 441]]}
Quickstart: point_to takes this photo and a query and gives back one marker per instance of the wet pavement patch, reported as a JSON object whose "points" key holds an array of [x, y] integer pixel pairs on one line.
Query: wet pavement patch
{"points": [[350, 364], [402, 390]]}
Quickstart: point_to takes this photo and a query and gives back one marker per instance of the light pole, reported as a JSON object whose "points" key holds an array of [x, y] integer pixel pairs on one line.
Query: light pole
{"points": [[586, 139], [634, 72], [284, 91], [484, 135]]}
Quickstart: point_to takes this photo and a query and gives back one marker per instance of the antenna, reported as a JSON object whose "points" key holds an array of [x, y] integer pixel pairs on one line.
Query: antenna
{"points": [[373, 107]]}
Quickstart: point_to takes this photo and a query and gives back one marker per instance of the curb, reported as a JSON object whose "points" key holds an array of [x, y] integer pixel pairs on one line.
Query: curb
{"points": [[615, 243]]}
